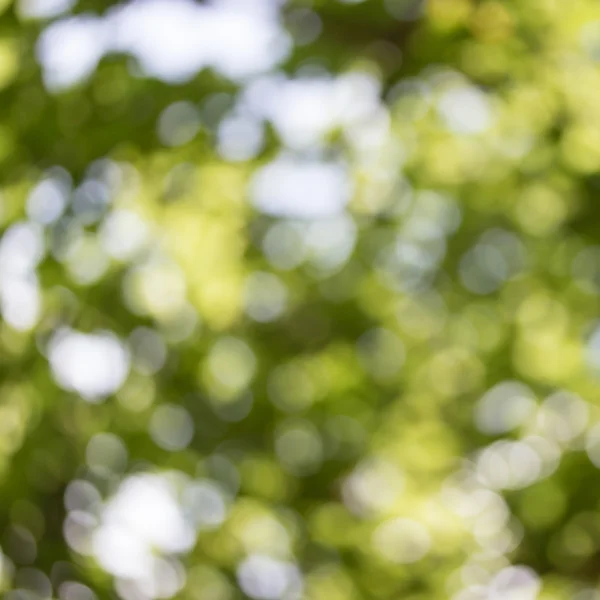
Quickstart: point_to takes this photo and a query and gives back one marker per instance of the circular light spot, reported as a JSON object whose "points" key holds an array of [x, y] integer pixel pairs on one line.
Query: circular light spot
{"points": [[401, 541], [504, 407], [301, 189], [517, 582], [34, 582], [171, 427], [203, 502], [123, 234], [82, 495], [72, 590], [231, 364], [78, 530], [106, 453], [93, 365], [264, 578], [148, 350], [178, 124], [374, 486], [465, 110], [265, 297], [47, 201], [239, 138], [284, 246]]}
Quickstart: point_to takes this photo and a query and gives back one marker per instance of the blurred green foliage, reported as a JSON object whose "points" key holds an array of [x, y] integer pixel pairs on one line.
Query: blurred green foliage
{"points": [[203, 397]]}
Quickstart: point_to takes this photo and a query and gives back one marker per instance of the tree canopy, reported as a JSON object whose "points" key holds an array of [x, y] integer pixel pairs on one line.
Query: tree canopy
{"points": [[299, 299]]}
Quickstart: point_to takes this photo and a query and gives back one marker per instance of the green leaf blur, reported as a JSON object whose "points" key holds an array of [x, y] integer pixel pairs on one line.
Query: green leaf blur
{"points": [[299, 299]]}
